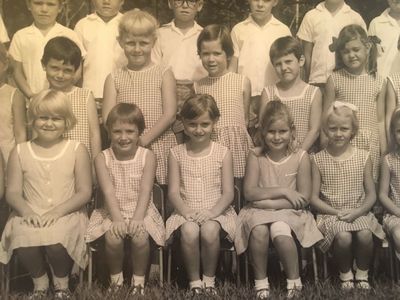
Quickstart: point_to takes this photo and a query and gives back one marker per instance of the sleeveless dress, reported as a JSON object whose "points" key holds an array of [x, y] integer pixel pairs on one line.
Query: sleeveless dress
{"points": [[7, 138], [362, 91], [81, 132], [393, 160], [230, 130], [47, 183], [277, 174], [299, 106], [395, 81], [143, 88], [126, 176], [342, 187], [201, 187]]}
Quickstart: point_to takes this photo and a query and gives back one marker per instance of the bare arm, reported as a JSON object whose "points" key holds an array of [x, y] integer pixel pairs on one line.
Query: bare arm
{"points": [[233, 64], [369, 187], [380, 111], [329, 98], [20, 79], [263, 103], [109, 97], [314, 122], [2, 177], [303, 177], [384, 183], [169, 106], [308, 50], [246, 100], [391, 101], [19, 116], [94, 127]]}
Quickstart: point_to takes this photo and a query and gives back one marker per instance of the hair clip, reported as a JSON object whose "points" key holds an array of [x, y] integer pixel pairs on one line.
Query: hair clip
{"points": [[374, 39], [334, 45], [338, 104]]}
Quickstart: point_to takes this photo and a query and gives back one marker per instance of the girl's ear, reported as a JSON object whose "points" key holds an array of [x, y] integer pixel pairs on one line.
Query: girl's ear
{"points": [[302, 60]]}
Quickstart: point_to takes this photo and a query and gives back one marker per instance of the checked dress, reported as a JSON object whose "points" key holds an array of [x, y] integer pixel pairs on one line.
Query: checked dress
{"points": [[393, 161]]}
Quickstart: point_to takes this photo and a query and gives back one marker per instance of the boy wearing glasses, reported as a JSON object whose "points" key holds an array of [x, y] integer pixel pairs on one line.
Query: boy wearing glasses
{"points": [[176, 46]]}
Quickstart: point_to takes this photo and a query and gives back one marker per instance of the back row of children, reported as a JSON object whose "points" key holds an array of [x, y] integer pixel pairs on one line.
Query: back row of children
{"points": [[152, 87]]}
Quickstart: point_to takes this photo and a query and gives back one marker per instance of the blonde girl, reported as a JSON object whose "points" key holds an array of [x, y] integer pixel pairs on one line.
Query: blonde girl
{"points": [[48, 185]]}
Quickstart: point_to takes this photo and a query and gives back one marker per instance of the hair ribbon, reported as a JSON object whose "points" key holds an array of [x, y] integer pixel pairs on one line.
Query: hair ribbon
{"points": [[338, 104], [334, 45]]}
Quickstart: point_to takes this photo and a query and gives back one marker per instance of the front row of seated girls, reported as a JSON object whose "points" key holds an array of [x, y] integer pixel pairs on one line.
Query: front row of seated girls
{"points": [[49, 183]]}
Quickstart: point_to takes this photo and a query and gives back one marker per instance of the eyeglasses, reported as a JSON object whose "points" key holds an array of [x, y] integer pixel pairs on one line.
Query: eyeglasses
{"points": [[189, 3]]}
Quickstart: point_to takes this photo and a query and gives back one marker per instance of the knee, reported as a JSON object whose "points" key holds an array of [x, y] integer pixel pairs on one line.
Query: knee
{"points": [[140, 241], [260, 233], [343, 239], [113, 241], [190, 232], [210, 232], [364, 237], [280, 229], [55, 249]]}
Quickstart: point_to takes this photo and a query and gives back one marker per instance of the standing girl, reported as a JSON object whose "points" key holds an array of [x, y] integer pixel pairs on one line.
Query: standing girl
{"points": [[389, 189], [355, 81], [200, 188], [277, 188], [343, 195], [150, 86], [126, 175], [12, 110], [231, 91], [48, 185]]}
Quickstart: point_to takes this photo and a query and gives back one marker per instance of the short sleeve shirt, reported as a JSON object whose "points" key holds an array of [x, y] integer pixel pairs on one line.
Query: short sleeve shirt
{"points": [[3, 32]]}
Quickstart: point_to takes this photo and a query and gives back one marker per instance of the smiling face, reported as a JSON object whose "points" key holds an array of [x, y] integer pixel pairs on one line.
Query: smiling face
{"points": [[124, 138], [59, 75], [261, 10], [288, 67], [44, 12], [213, 58], [339, 130], [278, 136], [199, 130], [185, 11], [354, 56], [137, 49], [49, 127], [107, 9]]}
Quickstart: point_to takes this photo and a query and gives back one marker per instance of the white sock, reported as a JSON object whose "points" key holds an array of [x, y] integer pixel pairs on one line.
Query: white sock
{"points": [[195, 284], [261, 284], [208, 281], [117, 279], [138, 280], [361, 274], [346, 276], [60, 283], [294, 284], [41, 283]]}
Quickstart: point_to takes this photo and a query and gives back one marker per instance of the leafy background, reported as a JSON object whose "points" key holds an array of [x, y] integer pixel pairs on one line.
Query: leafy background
{"points": [[227, 12]]}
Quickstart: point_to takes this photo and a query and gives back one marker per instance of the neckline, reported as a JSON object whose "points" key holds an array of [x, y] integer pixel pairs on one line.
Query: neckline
{"points": [[353, 151], [216, 77], [277, 92], [125, 161], [283, 160], [142, 70], [199, 157], [57, 156]]}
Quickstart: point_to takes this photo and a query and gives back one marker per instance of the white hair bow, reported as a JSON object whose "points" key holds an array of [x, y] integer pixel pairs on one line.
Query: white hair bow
{"points": [[338, 104]]}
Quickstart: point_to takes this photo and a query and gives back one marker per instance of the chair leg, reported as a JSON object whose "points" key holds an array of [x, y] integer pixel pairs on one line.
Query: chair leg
{"points": [[391, 262], [161, 264], [169, 265], [315, 265], [246, 268], [90, 268], [325, 264], [237, 262], [81, 275]]}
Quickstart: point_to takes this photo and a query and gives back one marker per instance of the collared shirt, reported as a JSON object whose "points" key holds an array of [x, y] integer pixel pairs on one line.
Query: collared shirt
{"points": [[179, 52], [251, 44], [388, 30], [3, 32], [319, 26], [104, 54], [27, 47]]}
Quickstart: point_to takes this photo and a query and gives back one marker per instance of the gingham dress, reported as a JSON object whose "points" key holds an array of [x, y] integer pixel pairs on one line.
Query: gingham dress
{"points": [[342, 187], [126, 176], [395, 81], [277, 174], [201, 187], [79, 98], [143, 88], [230, 130], [7, 138], [393, 160], [362, 91], [300, 107]]}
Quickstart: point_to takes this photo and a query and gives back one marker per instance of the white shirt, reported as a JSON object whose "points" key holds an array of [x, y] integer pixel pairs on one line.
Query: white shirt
{"points": [[3, 32], [179, 52], [388, 30], [319, 26], [27, 47], [251, 44], [104, 54]]}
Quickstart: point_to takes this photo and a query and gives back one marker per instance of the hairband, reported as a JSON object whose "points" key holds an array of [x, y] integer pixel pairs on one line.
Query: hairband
{"points": [[338, 104]]}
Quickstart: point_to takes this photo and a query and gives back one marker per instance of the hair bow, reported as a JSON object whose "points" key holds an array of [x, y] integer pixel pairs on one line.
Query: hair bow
{"points": [[334, 45], [338, 104], [376, 41]]}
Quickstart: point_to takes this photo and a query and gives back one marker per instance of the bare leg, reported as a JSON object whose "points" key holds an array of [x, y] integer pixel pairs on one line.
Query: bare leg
{"points": [[59, 260], [210, 246], [140, 254], [396, 237], [114, 253], [190, 244], [33, 260], [258, 250], [342, 250], [364, 249], [287, 251]]}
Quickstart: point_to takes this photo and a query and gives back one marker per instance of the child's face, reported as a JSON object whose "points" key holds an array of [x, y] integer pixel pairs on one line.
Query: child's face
{"points": [[339, 130], [107, 9], [394, 6], [49, 127], [124, 138], [213, 58], [61, 76], [288, 67], [44, 12], [261, 9], [199, 130], [185, 10], [277, 137], [396, 132], [354, 55], [137, 49]]}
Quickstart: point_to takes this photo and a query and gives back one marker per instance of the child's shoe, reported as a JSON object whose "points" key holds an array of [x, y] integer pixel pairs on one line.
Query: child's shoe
{"points": [[347, 285], [363, 285], [62, 294], [196, 292], [262, 294], [295, 292], [137, 290], [38, 294], [210, 291], [114, 288]]}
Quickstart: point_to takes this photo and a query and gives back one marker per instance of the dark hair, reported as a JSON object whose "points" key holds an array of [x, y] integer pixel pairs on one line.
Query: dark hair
{"points": [[393, 146], [284, 46], [350, 33], [197, 105], [62, 48], [216, 32], [275, 110], [126, 113], [5, 58]]}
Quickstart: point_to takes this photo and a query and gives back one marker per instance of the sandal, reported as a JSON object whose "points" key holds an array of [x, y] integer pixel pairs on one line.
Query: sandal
{"points": [[137, 290], [262, 294], [38, 294], [196, 291], [363, 284], [295, 292], [347, 285], [210, 290], [62, 295]]}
